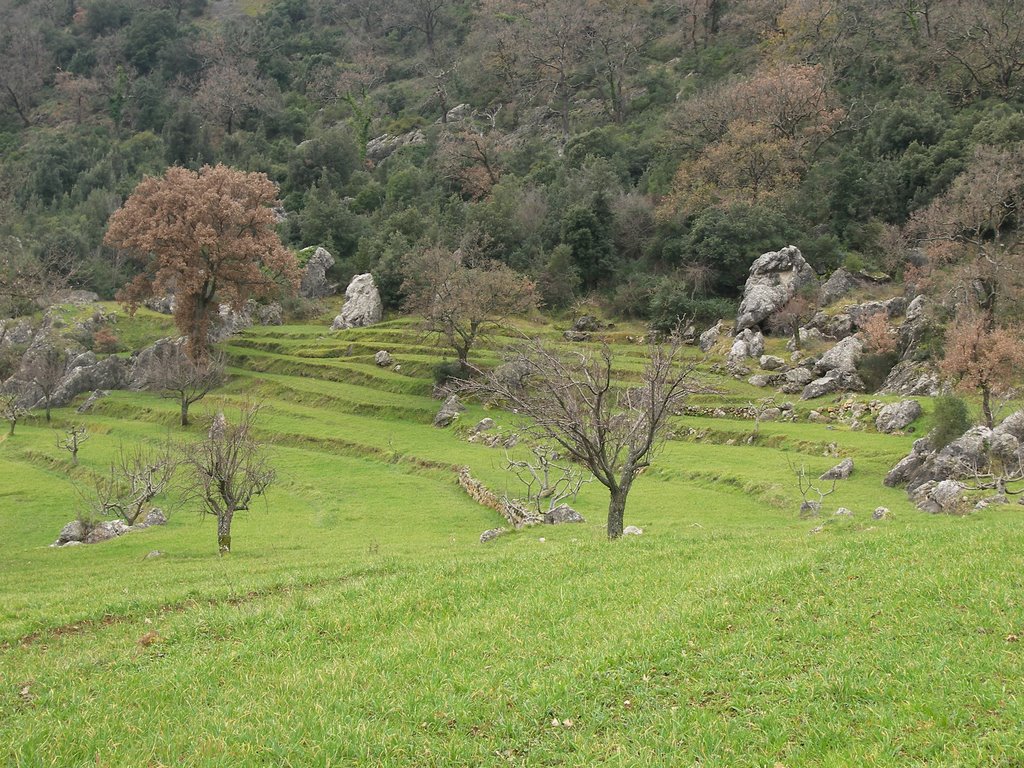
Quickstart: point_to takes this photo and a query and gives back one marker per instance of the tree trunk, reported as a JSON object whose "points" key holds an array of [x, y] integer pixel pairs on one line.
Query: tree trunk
{"points": [[986, 406], [184, 412], [47, 410], [616, 511], [224, 533], [11, 432]]}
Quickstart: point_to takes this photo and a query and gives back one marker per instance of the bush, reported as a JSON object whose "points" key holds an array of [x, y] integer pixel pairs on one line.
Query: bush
{"points": [[672, 301], [105, 341], [447, 371], [952, 419], [874, 367]]}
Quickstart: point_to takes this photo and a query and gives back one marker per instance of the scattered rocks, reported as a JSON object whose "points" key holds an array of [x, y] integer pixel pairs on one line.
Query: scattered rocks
{"points": [[840, 471], [314, 277], [939, 497], [491, 534], [843, 512], [832, 382], [774, 278], [771, 362], [362, 307], [897, 416], [449, 412], [881, 513], [843, 357], [582, 327], [909, 379], [810, 508], [839, 284], [632, 530], [383, 359], [562, 514]]}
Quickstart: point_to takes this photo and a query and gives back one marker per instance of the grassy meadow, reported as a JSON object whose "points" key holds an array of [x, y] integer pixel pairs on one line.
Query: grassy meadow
{"points": [[359, 621]]}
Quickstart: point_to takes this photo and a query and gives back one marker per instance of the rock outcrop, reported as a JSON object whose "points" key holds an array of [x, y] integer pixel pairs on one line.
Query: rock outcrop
{"points": [[710, 336], [382, 147], [314, 277], [362, 307], [897, 416], [775, 278], [449, 412]]}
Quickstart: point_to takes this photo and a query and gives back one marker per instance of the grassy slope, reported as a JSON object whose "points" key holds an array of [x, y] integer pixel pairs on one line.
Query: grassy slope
{"points": [[360, 622]]}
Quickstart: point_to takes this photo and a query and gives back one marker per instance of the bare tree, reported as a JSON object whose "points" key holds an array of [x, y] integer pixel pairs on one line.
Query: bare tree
{"points": [[176, 376], [228, 470], [72, 440], [45, 369], [577, 403], [808, 489], [136, 477], [461, 300], [12, 410], [549, 479]]}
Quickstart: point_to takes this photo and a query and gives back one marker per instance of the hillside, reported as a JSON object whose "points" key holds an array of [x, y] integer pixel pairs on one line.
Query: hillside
{"points": [[359, 621]]}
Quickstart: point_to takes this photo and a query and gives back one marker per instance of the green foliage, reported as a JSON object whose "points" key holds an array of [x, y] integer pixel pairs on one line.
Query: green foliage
{"points": [[874, 367], [586, 230], [951, 418], [673, 300], [559, 282]]}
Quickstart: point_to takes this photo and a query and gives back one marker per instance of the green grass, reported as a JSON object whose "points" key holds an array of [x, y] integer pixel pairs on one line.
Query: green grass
{"points": [[359, 621]]}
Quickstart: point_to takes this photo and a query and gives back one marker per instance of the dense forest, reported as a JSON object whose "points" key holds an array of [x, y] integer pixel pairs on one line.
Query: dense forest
{"points": [[642, 151]]}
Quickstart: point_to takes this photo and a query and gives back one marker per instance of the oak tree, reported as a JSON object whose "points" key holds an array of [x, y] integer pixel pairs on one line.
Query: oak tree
{"points": [[209, 236], [983, 358]]}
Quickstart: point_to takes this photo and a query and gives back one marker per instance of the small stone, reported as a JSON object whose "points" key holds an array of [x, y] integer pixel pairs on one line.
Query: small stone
{"points": [[153, 555], [817, 529], [561, 514], [383, 358], [810, 508], [844, 512], [881, 513], [491, 534], [483, 425], [632, 530]]}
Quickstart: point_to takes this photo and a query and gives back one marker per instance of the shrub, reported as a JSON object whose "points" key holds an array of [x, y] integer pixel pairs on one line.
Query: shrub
{"points": [[952, 419], [447, 371], [673, 301], [105, 341], [874, 367]]}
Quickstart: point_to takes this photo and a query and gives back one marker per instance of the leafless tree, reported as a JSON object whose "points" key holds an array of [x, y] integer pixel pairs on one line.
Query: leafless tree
{"points": [[577, 402], [72, 440], [176, 376], [12, 410], [549, 479], [229, 469], [45, 369], [136, 477], [29, 282], [808, 489]]}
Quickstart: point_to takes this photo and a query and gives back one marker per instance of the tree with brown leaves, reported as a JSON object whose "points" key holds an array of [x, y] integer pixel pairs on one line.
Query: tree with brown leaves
{"points": [[176, 376], [209, 236], [983, 358], [577, 403]]}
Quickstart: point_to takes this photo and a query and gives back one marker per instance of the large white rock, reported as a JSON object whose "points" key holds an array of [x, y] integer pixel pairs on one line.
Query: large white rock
{"points": [[775, 278], [314, 276], [362, 304]]}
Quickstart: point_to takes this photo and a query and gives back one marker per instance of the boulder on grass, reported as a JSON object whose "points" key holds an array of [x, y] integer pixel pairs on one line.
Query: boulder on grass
{"points": [[774, 278], [563, 513], [383, 358], [840, 471], [897, 416], [491, 534], [449, 412], [362, 307]]}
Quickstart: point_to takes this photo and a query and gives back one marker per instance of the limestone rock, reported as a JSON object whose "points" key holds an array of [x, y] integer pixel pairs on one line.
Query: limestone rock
{"points": [[839, 284], [832, 382], [449, 412], [897, 416], [563, 513], [108, 529], [939, 497], [383, 358], [491, 534], [771, 362], [774, 278], [314, 277], [632, 530], [710, 336], [153, 555], [840, 471], [362, 307], [912, 379], [843, 512], [483, 425], [91, 401], [881, 513], [843, 357], [382, 147]]}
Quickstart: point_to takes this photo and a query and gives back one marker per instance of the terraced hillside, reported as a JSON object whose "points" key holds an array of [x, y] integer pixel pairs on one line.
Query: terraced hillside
{"points": [[359, 621]]}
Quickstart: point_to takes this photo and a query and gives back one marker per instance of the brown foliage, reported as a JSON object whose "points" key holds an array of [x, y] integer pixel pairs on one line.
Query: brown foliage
{"points": [[208, 236], [983, 358], [879, 336]]}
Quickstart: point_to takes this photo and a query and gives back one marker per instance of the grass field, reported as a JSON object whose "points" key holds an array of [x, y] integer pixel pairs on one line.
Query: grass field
{"points": [[358, 621]]}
